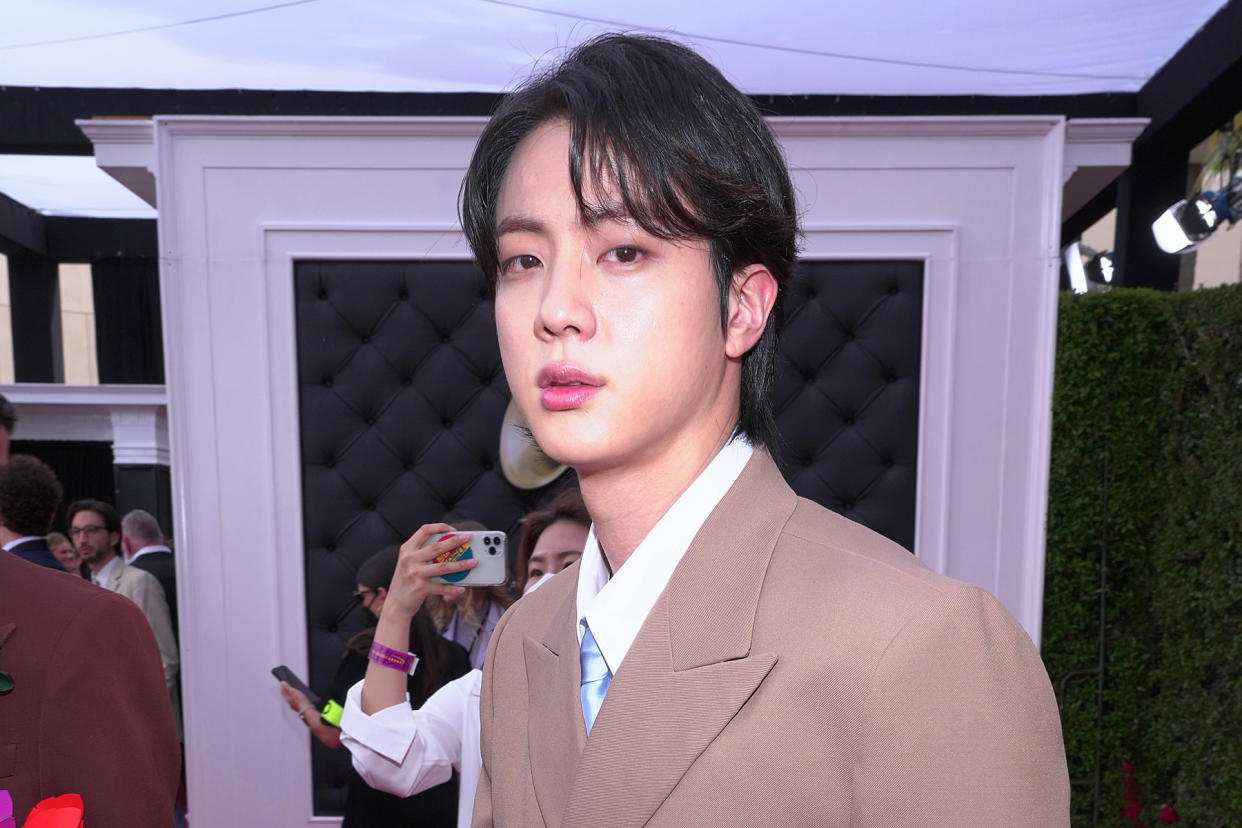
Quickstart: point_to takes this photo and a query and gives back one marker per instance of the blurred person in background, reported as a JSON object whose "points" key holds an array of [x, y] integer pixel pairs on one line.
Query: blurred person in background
{"points": [[404, 751], [29, 495], [437, 661], [62, 549]]}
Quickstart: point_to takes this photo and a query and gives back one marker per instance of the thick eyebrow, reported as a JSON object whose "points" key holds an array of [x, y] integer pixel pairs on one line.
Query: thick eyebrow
{"points": [[520, 224]]}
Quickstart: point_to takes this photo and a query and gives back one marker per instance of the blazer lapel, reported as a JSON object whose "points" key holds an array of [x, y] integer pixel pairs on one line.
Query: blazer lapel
{"points": [[555, 730], [691, 668], [114, 578], [6, 630]]}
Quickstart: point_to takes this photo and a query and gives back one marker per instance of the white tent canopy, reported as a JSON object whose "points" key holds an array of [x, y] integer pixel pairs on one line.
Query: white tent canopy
{"points": [[907, 47], [956, 47]]}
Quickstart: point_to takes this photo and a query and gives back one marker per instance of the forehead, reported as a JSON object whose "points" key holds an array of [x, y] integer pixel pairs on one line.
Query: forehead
{"points": [[561, 536], [87, 517], [539, 168]]}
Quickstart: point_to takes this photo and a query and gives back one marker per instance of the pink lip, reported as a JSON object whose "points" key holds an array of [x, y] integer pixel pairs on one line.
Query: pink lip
{"points": [[566, 386]]}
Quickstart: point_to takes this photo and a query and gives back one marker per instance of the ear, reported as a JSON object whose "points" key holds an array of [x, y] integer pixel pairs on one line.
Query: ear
{"points": [[752, 294], [381, 593]]}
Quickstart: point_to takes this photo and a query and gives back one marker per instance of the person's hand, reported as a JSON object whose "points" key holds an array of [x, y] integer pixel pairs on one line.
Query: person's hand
{"points": [[411, 582], [295, 698]]}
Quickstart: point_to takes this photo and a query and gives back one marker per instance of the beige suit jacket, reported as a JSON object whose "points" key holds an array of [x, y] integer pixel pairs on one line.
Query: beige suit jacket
{"points": [[144, 589], [797, 670]]}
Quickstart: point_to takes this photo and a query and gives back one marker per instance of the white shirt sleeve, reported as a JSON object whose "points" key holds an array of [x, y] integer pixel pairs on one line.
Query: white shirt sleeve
{"points": [[405, 751]]}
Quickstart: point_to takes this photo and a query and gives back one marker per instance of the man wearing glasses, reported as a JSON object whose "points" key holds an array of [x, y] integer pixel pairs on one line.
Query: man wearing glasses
{"points": [[95, 530]]}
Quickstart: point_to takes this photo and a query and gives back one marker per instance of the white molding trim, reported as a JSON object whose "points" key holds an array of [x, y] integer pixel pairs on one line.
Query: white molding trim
{"points": [[133, 418], [125, 149], [1100, 142], [102, 397]]}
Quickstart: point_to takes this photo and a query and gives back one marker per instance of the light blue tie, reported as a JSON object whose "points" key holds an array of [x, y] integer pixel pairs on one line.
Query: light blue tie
{"points": [[595, 677]]}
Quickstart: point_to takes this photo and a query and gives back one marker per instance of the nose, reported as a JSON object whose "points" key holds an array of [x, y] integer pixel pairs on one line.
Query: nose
{"points": [[565, 307]]}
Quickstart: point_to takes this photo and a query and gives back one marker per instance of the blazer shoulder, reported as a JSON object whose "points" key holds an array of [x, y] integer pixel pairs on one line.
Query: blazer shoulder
{"points": [[841, 569], [813, 528], [532, 613]]}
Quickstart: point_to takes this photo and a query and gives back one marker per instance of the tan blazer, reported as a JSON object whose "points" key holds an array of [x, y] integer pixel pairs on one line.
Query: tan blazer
{"points": [[798, 669], [144, 589]]}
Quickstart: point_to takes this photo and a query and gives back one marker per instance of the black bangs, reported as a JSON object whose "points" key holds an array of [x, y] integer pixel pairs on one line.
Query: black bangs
{"points": [[660, 138]]}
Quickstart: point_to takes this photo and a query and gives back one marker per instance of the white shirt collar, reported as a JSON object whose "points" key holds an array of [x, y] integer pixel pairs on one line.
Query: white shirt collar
{"points": [[101, 577], [155, 547], [8, 547], [616, 607]]}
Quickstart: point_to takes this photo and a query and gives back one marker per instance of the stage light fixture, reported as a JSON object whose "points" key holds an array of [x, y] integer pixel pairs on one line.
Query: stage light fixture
{"points": [[1085, 266], [1185, 225]]}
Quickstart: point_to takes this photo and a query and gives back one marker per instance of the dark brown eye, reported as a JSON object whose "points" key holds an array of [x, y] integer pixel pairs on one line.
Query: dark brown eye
{"points": [[626, 255]]}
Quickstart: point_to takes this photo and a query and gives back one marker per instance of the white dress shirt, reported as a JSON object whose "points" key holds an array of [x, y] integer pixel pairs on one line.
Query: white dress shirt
{"points": [[101, 577], [404, 751], [615, 607], [155, 547]]}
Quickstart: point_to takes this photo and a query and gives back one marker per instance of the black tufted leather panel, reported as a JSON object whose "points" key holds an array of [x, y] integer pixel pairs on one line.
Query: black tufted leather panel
{"points": [[847, 390], [401, 398]]}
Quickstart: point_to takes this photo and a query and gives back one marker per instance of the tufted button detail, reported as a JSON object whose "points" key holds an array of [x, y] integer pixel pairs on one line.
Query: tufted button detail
{"points": [[849, 336], [487, 465], [447, 422], [366, 340], [893, 290], [409, 465], [403, 295], [888, 462], [323, 294], [371, 420], [807, 461], [331, 547], [849, 421], [810, 294], [327, 380], [847, 504], [890, 378], [370, 507], [809, 379], [330, 462]]}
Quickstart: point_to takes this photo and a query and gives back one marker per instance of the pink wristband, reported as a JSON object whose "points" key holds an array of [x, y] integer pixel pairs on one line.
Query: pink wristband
{"points": [[388, 657]]}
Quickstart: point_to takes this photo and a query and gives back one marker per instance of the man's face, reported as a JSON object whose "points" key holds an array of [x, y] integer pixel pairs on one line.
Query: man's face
{"points": [[558, 546], [611, 337], [94, 541]]}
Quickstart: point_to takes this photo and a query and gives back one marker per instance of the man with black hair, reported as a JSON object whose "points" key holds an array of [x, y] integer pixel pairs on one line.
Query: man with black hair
{"points": [[29, 495], [725, 653]]}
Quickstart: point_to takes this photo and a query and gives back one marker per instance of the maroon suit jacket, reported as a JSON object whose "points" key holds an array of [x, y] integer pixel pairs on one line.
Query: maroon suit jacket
{"points": [[88, 713]]}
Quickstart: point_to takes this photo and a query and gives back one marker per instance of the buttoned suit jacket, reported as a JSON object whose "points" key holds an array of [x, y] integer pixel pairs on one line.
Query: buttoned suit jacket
{"points": [[88, 713], [144, 590], [798, 669]]}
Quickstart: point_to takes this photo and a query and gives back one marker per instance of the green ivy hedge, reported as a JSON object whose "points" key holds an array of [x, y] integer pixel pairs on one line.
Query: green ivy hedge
{"points": [[1147, 471]]}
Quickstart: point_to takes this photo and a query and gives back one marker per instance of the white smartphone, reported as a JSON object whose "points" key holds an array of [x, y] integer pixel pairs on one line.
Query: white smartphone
{"points": [[489, 547]]}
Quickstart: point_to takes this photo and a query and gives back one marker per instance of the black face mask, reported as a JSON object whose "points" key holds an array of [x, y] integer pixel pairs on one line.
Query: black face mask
{"points": [[370, 619]]}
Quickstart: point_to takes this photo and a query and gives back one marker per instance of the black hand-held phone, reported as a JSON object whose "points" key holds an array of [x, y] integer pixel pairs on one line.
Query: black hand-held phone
{"points": [[283, 673]]}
